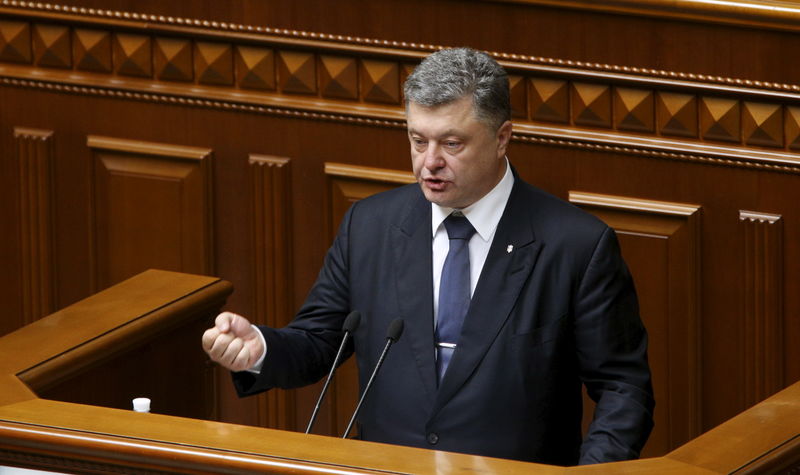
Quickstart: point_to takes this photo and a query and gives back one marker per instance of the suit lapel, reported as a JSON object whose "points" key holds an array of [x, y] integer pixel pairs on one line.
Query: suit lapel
{"points": [[503, 275], [413, 261]]}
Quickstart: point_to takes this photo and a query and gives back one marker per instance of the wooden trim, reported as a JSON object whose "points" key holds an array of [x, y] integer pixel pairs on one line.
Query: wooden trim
{"points": [[775, 461], [716, 450], [369, 173], [759, 217], [400, 50], [368, 115], [750, 143], [147, 148], [34, 154], [80, 349], [762, 305], [635, 204], [212, 29], [114, 454], [768, 14], [739, 158]]}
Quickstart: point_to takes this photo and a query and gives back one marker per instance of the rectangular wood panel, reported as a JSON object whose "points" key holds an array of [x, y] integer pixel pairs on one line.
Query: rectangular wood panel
{"points": [[151, 208], [660, 243]]}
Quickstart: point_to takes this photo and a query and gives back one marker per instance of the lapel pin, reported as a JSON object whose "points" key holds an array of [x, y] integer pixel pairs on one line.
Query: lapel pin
{"points": [[510, 248]]}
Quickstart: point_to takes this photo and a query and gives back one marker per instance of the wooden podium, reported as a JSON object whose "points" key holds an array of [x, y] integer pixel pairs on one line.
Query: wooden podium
{"points": [[66, 382]]}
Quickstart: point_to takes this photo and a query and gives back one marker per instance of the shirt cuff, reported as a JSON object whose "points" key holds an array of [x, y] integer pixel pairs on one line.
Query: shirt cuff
{"points": [[256, 368]]}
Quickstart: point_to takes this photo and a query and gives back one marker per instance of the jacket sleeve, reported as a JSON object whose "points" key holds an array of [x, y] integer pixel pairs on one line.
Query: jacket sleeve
{"points": [[302, 352], [612, 353]]}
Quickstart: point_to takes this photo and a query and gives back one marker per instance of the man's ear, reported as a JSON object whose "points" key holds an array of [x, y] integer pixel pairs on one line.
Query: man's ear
{"points": [[503, 138]]}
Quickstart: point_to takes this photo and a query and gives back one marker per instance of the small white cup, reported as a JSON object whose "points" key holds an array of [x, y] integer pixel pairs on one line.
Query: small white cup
{"points": [[141, 404]]}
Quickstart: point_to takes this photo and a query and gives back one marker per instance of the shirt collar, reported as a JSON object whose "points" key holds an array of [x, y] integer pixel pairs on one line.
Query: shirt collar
{"points": [[484, 214]]}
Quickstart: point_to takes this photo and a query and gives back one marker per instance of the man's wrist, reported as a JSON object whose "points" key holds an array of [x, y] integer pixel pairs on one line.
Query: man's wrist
{"points": [[256, 368]]}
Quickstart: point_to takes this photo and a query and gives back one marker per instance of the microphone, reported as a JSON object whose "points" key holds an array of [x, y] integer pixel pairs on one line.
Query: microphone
{"points": [[349, 326], [392, 335]]}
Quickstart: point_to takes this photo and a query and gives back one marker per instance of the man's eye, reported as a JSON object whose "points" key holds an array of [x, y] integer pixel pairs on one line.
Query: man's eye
{"points": [[452, 144]]}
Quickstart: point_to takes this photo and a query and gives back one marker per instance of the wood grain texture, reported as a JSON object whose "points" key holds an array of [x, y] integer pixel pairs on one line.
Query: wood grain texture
{"points": [[15, 44], [272, 267], [682, 67], [34, 156], [50, 434], [768, 14], [73, 338], [762, 361], [151, 208]]}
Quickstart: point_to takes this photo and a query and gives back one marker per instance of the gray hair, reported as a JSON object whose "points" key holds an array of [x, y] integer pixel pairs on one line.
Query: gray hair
{"points": [[449, 74]]}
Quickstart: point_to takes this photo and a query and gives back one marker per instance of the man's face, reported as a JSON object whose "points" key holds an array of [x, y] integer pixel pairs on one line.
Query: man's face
{"points": [[456, 158]]}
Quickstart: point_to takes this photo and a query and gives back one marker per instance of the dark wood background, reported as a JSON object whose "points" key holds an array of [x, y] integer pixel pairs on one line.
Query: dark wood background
{"points": [[228, 139]]}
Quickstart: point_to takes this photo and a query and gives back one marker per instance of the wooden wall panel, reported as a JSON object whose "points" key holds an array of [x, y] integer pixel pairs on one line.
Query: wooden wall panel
{"points": [[151, 209], [272, 268], [661, 245], [762, 355], [34, 156]]}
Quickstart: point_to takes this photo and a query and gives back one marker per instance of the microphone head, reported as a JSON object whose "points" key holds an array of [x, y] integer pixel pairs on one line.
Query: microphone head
{"points": [[395, 329], [352, 321]]}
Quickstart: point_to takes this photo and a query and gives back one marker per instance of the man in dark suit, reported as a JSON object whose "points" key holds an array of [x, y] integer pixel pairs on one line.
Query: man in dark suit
{"points": [[502, 324]]}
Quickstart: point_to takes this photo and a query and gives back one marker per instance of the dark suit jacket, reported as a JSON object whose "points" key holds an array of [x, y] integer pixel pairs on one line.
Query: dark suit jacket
{"points": [[558, 310]]}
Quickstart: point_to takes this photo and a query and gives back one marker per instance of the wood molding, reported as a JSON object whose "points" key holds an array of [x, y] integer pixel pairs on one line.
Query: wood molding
{"points": [[147, 148], [762, 283], [660, 149], [661, 244], [410, 51], [769, 14], [270, 180], [358, 172], [633, 204], [151, 207], [312, 76], [171, 299], [34, 154], [272, 71]]}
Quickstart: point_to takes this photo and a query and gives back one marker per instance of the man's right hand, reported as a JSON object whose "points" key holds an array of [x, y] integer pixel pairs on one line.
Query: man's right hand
{"points": [[233, 342]]}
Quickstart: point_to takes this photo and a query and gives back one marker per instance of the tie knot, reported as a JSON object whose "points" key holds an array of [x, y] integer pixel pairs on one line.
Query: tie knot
{"points": [[458, 227]]}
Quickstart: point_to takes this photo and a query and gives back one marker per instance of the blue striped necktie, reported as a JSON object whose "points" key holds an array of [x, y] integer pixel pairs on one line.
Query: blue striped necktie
{"points": [[454, 290]]}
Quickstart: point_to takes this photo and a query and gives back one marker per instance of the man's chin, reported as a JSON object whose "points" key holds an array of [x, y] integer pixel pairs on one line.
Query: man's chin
{"points": [[441, 198]]}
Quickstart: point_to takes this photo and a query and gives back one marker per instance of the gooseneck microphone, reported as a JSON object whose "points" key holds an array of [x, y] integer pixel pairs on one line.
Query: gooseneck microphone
{"points": [[392, 335], [349, 326]]}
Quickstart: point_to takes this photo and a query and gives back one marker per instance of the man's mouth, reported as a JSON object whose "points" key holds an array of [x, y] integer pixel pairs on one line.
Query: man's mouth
{"points": [[436, 184]]}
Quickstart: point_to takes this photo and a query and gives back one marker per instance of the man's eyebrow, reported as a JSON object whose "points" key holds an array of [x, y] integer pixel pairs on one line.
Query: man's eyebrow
{"points": [[446, 133]]}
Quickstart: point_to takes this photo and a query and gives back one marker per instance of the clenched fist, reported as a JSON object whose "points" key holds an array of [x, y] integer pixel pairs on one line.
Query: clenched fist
{"points": [[233, 342]]}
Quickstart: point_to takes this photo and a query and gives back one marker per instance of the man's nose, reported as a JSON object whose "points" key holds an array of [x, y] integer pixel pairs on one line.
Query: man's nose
{"points": [[433, 157]]}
